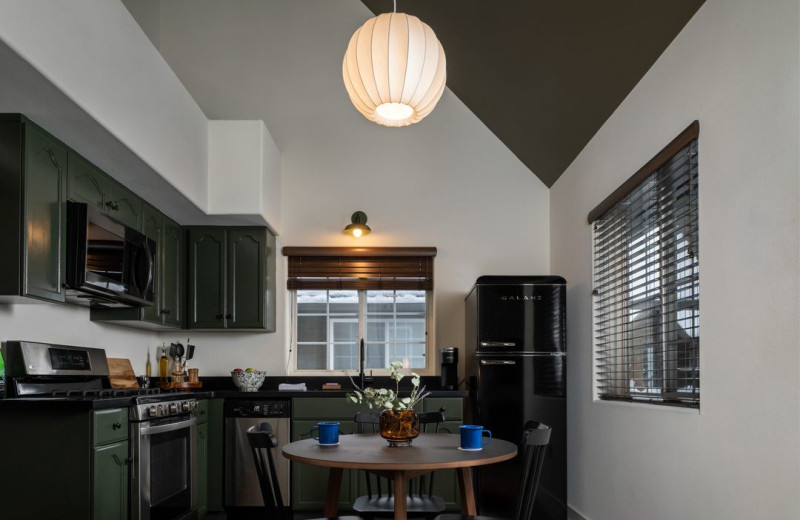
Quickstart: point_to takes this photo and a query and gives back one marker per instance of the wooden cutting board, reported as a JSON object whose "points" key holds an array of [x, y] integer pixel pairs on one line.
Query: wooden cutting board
{"points": [[121, 373]]}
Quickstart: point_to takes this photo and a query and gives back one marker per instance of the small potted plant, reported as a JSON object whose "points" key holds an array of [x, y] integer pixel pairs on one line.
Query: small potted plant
{"points": [[399, 423]]}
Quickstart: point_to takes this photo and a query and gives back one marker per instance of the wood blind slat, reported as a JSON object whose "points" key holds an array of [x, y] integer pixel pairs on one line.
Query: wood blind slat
{"points": [[646, 282], [360, 268]]}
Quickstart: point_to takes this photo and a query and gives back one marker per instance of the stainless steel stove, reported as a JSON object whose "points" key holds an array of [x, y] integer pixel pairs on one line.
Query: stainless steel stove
{"points": [[162, 428]]}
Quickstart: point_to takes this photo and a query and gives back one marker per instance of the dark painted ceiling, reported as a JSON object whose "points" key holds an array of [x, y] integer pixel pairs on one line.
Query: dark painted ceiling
{"points": [[544, 75]]}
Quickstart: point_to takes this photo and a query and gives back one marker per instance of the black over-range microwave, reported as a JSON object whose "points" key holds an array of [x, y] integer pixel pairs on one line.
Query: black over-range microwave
{"points": [[108, 264]]}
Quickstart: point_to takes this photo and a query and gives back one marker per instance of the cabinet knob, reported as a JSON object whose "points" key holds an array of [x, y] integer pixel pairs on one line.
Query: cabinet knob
{"points": [[116, 425], [229, 316], [220, 316], [165, 311]]}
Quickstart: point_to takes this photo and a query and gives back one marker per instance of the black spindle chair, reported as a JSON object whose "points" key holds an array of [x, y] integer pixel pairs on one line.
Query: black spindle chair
{"points": [[262, 440], [535, 438], [379, 500]]}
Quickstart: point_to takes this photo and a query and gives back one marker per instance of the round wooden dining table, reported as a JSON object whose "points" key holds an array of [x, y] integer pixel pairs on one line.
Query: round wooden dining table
{"points": [[370, 452]]}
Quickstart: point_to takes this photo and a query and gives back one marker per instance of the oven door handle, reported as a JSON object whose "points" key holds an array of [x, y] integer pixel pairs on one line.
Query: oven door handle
{"points": [[164, 428]]}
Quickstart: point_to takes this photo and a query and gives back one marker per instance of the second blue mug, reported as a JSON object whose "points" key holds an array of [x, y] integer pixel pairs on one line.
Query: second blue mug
{"points": [[472, 437], [328, 432]]}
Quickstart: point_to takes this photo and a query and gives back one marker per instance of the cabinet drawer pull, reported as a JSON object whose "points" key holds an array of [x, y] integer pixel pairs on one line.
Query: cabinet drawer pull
{"points": [[229, 316], [220, 316], [116, 425], [165, 311]]}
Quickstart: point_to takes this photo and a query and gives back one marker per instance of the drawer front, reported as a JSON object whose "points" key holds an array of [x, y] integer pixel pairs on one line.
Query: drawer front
{"points": [[452, 406], [109, 426], [321, 408], [202, 411]]}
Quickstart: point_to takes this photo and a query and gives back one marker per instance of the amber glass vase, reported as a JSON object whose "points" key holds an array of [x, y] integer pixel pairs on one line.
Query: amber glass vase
{"points": [[399, 427]]}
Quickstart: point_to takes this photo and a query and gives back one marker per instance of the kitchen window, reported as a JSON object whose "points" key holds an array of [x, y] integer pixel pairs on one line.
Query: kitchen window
{"points": [[646, 282], [341, 296]]}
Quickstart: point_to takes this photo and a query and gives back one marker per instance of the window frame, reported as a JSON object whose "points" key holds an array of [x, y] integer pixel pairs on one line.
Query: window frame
{"points": [[429, 355], [662, 247]]}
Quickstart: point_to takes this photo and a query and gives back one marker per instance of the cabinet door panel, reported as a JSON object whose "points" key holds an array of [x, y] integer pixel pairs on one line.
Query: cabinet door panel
{"points": [[125, 207], [246, 268], [110, 482], [310, 482], [207, 283], [87, 183], [202, 469], [45, 215], [172, 272]]}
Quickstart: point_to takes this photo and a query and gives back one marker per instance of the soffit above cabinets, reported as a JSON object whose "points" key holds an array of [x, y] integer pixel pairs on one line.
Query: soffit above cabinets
{"points": [[544, 76]]}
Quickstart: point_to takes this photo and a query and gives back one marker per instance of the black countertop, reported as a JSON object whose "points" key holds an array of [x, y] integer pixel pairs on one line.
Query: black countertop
{"points": [[223, 387]]}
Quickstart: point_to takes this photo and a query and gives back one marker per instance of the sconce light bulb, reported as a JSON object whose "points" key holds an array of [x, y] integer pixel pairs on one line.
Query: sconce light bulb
{"points": [[356, 232]]}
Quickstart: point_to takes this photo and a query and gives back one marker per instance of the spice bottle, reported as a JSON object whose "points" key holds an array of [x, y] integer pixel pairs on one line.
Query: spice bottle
{"points": [[163, 364], [147, 368]]}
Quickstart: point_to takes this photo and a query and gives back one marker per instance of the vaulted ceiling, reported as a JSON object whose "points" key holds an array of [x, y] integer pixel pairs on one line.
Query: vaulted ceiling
{"points": [[545, 75]]}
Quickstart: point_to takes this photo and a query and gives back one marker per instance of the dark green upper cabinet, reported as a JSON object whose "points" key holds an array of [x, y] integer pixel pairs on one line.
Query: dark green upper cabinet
{"points": [[32, 211], [125, 206], [246, 266], [172, 273], [229, 272], [88, 183], [167, 309], [207, 277]]}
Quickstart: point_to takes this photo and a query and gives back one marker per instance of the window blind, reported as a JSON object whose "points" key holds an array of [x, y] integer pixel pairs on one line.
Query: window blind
{"points": [[409, 268], [646, 283]]}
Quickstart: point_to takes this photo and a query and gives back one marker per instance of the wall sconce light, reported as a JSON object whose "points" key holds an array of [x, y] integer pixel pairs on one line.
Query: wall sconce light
{"points": [[358, 225]]}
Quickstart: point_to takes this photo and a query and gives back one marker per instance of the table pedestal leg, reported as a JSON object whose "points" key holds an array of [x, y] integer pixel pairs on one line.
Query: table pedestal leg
{"points": [[400, 495], [332, 493], [467, 492]]}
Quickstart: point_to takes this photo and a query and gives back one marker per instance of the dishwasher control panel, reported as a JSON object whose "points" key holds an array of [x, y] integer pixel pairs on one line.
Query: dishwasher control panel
{"points": [[258, 408]]}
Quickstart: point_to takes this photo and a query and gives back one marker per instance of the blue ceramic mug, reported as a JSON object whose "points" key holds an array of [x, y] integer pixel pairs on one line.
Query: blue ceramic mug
{"points": [[471, 437], [328, 433]]}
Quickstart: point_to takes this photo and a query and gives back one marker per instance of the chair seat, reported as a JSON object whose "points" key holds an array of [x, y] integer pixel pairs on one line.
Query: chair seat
{"points": [[385, 505]]}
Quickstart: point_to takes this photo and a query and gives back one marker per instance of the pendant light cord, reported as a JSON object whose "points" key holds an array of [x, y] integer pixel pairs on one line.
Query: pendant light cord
{"points": [[395, 6]]}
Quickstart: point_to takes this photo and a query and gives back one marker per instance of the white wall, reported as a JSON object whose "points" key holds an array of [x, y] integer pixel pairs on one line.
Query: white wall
{"points": [[734, 68], [445, 182], [97, 55], [244, 171]]}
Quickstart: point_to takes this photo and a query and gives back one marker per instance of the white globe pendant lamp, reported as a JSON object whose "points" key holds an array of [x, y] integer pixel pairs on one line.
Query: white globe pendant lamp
{"points": [[394, 69]]}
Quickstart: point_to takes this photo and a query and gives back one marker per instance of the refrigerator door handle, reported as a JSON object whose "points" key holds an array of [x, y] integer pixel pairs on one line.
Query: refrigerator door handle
{"points": [[497, 362], [497, 344]]}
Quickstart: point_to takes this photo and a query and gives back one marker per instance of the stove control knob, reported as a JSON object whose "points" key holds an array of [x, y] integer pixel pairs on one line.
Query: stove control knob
{"points": [[194, 405], [185, 406], [173, 407], [152, 411]]}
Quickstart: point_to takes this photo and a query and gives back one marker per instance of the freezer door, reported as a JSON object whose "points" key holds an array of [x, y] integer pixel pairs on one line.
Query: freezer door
{"points": [[511, 390], [521, 318]]}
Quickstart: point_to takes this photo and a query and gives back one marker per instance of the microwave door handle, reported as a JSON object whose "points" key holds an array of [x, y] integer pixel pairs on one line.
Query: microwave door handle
{"points": [[503, 362], [150, 266], [498, 344]]}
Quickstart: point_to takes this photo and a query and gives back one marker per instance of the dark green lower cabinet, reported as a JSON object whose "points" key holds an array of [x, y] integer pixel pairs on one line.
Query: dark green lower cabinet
{"points": [[64, 464], [215, 457], [202, 469], [310, 482], [110, 482]]}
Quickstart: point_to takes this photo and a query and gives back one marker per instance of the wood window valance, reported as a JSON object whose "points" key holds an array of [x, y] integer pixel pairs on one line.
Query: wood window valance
{"points": [[360, 268]]}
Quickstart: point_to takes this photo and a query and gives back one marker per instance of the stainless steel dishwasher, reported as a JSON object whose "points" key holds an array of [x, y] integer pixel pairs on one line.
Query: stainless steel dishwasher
{"points": [[241, 480]]}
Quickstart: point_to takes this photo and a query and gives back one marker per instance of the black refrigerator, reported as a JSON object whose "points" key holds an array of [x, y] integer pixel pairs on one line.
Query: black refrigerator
{"points": [[517, 367]]}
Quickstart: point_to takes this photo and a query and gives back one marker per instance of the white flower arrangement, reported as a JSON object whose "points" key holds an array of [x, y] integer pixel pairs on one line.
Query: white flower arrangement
{"points": [[386, 397]]}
